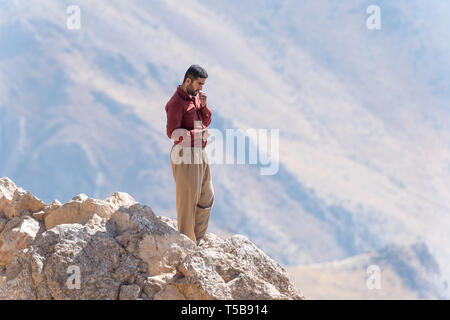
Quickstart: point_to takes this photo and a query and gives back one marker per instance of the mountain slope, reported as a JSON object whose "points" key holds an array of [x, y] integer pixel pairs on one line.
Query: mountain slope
{"points": [[405, 272]]}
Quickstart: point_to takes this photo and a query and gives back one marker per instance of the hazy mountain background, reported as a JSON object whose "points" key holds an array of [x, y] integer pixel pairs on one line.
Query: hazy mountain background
{"points": [[406, 272], [363, 117]]}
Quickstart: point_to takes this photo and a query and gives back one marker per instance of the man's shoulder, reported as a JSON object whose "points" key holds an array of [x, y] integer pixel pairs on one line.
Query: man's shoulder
{"points": [[175, 101]]}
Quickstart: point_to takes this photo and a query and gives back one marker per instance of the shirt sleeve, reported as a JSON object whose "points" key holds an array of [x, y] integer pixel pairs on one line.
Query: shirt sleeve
{"points": [[174, 117], [206, 113]]}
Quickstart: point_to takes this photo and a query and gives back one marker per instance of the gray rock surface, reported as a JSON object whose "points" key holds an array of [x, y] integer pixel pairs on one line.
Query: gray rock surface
{"points": [[117, 248]]}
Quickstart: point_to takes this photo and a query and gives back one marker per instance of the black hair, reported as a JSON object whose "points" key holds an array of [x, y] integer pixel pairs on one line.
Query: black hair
{"points": [[194, 72]]}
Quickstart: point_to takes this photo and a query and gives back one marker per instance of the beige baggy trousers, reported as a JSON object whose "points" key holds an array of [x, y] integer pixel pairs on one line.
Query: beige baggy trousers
{"points": [[194, 190]]}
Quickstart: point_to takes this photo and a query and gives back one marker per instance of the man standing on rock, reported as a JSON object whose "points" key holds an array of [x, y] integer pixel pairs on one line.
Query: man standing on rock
{"points": [[188, 115]]}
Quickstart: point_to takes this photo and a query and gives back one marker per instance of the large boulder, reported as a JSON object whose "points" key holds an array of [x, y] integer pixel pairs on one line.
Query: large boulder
{"points": [[233, 269], [19, 233], [49, 208], [23, 203], [82, 208]]}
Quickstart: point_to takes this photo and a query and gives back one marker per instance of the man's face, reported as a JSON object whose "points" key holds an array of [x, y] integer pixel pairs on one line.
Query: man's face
{"points": [[195, 86]]}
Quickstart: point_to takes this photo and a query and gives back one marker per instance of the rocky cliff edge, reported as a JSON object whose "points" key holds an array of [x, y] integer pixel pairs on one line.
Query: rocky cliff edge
{"points": [[117, 248]]}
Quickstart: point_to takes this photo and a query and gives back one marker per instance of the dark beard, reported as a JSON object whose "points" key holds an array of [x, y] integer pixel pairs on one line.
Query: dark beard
{"points": [[190, 90]]}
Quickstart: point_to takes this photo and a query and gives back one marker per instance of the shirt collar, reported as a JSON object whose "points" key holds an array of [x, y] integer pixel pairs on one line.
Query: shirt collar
{"points": [[183, 94]]}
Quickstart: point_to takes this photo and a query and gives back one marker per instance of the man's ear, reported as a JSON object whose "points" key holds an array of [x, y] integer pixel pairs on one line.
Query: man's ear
{"points": [[188, 81]]}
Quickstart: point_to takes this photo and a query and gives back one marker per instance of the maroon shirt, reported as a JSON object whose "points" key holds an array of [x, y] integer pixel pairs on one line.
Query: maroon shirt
{"points": [[182, 109]]}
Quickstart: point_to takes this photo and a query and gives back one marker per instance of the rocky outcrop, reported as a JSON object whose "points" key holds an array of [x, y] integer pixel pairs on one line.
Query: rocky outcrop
{"points": [[81, 209], [7, 189], [117, 248]]}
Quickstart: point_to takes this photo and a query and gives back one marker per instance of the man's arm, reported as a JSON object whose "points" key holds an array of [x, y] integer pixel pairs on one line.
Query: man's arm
{"points": [[174, 113], [206, 113]]}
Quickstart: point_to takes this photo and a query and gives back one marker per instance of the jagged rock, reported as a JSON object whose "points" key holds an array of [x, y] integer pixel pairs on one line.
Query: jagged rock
{"points": [[52, 206], [146, 236], [18, 233], [17, 283], [119, 249], [170, 222], [169, 292], [129, 292], [155, 284], [82, 208], [119, 199], [48, 209], [23, 203], [7, 189], [39, 215], [239, 269]]}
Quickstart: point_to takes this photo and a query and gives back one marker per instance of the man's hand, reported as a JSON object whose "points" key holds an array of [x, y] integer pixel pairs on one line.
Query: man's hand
{"points": [[204, 133], [202, 97]]}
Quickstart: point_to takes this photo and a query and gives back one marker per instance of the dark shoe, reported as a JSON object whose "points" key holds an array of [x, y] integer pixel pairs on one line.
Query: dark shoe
{"points": [[201, 242]]}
